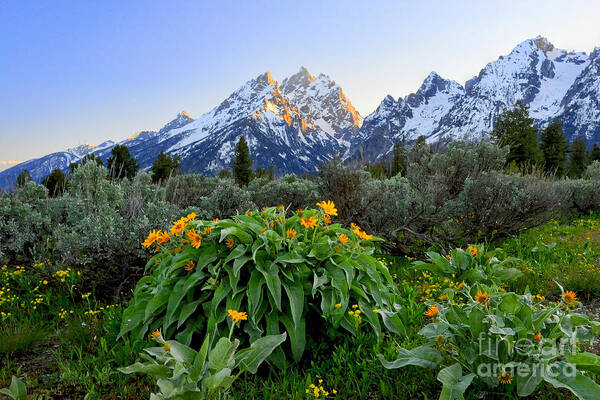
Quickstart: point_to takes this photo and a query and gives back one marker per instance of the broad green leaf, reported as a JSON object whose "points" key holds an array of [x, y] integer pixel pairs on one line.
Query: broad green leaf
{"points": [[197, 369], [181, 352], [159, 300], [154, 370], [271, 275], [221, 380], [585, 361], [581, 386], [222, 355], [297, 334], [237, 252], [424, 356], [249, 359], [238, 232], [528, 378], [510, 303], [454, 383], [255, 292], [295, 294], [187, 310]]}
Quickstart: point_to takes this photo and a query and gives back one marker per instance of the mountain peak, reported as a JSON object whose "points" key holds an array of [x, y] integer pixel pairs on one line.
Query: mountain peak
{"points": [[543, 44], [266, 78]]}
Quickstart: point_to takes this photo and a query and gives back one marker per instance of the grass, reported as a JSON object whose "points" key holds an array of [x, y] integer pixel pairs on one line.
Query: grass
{"points": [[564, 253], [64, 344]]}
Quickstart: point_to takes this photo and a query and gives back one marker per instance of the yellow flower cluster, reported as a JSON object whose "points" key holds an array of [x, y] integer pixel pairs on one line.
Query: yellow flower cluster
{"points": [[359, 232], [237, 316], [64, 274], [355, 312], [318, 391]]}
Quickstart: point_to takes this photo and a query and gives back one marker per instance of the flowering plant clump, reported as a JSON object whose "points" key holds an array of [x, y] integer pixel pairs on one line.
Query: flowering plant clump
{"points": [[506, 340], [275, 265], [183, 373], [471, 266]]}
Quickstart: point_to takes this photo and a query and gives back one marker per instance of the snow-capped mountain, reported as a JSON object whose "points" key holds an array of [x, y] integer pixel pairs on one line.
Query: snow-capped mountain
{"points": [[293, 132], [307, 119], [405, 118], [324, 102], [551, 83], [580, 107], [535, 73]]}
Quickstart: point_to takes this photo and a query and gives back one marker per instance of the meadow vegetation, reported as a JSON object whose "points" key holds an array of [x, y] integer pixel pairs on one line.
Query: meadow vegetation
{"points": [[343, 285]]}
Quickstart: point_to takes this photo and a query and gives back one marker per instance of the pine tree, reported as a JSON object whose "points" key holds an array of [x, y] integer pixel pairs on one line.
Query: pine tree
{"points": [[23, 178], [399, 160], [579, 158], [164, 167], [419, 149], [87, 158], [121, 164], [242, 164], [515, 129], [553, 145], [596, 152], [55, 183], [224, 174]]}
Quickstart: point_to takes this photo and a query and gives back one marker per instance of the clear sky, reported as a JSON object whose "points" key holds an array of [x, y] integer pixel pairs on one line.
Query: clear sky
{"points": [[85, 71]]}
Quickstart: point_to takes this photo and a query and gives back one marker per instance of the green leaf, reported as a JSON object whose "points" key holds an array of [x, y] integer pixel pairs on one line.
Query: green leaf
{"points": [[295, 295], [197, 369], [237, 252], [454, 382], [249, 359], [154, 370], [424, 356], [581, 386], [290, 258], [585, 361], [476, 321], [255, 285], [238, 232], [222, 380], [187, 310], [297, 333], [238, 264], [393, 322], [528, 379], [17, 389], [271, 275], [158, 301], [181, 352], [222, 355], [510, 303]]}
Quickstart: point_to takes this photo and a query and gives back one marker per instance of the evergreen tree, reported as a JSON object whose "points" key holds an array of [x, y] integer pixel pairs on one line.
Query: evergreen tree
{"points": [[23, 178], [164, 166], [225, 174], [377, 171], [88, 157], [515, 129], [121, 164], [553, 144], [271, 172], [596, 152], [579, 158], [55, 183], [260, 173], [242, 164], [399, 160], [419, 149]]}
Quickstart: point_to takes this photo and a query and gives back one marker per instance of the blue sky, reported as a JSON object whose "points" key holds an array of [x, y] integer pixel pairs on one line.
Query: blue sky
{"points": [[80, 71]]}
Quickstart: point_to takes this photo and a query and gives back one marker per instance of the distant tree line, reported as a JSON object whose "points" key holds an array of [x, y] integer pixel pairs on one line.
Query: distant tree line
{"points": [[528, 148]]}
